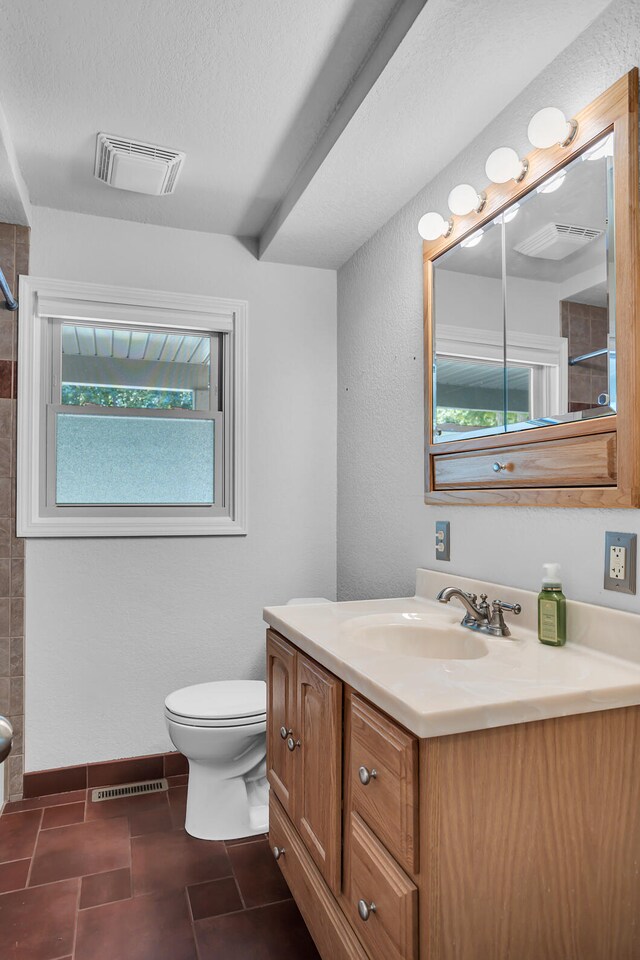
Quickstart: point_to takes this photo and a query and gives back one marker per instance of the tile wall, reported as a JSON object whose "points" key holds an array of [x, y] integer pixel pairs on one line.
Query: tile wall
{"points": [[14, 260], [586, 327]]}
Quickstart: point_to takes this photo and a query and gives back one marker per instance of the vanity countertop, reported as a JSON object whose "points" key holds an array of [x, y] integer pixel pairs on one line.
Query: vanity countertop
{"points": [[518, 680]]}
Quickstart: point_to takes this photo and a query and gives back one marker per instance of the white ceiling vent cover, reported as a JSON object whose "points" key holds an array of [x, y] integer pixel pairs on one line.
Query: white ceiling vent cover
{"points": [[137, 166], [555, 241]]}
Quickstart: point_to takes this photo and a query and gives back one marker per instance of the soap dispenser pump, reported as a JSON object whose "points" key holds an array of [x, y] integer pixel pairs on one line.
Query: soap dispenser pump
{"points": [[552, 614]]}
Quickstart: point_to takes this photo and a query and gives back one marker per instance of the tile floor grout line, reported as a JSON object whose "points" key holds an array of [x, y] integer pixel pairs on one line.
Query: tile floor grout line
{"points": [[192, 922], [233, 874], [33, 852], [76, 918], [52, 806]]}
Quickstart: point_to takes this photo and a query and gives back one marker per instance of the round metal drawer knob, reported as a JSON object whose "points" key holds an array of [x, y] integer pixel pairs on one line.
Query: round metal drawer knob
{"points": [[284, 733], [292, 744], [365, 909], [497, 467], [278, 852], [366, 775]]}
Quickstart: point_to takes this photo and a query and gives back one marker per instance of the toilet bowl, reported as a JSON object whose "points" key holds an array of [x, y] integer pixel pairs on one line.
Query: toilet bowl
{"points": [[220, 727]]}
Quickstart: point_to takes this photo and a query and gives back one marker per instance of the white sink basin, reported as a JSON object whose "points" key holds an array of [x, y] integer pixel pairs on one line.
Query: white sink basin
{"points": [[413, 635]]}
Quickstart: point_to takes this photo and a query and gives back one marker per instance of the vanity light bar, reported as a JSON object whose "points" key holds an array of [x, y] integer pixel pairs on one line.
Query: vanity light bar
{"points": [[547, 128]]}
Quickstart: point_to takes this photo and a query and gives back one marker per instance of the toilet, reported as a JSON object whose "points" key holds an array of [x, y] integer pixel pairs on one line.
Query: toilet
{"points": [[220, 727]]}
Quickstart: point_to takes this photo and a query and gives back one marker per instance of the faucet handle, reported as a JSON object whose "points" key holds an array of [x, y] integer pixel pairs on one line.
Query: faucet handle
{"points": [[502, 605]]}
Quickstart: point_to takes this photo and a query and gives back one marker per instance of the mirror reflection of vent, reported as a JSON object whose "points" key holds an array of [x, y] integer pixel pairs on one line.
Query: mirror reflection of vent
{"points": [[137, 166], [555, 241]]}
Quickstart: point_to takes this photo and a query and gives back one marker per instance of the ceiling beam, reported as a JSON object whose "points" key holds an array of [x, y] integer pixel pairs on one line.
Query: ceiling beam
{"points": [[396, 28]]}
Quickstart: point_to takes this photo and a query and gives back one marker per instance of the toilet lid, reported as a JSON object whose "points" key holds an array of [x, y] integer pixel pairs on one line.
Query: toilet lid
{"points": [[220, 700]]}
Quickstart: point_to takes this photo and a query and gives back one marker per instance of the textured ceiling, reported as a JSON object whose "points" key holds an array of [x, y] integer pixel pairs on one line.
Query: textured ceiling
{"points": [[459, 65], [307, 124], [244, 87]]}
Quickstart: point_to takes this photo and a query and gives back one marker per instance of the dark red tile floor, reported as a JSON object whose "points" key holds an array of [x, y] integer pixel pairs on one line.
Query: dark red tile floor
{"points": [[121, 880]]}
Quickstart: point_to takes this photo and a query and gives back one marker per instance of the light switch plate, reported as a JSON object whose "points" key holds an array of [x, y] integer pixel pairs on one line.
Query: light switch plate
{"points": [[620, 562], [443, 540]]}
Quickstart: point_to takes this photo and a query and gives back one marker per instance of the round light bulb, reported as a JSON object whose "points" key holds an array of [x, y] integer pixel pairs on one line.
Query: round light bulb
{"points": [[504, 164], [433, 225], [465, 199], [552, 184], [549, 127], [473, 240]]}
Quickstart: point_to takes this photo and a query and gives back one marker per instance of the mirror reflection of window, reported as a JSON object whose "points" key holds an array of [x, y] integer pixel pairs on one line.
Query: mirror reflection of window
{"points": [[530, 298]]}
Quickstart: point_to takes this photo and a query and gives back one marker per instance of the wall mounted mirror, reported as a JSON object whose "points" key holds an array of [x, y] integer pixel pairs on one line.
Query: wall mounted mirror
{"points": [[524, 309], [532, 327]]}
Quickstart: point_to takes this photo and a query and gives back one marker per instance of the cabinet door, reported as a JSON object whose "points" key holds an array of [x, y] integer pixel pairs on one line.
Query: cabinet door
{"points": [[319, 766], [281, 709]]}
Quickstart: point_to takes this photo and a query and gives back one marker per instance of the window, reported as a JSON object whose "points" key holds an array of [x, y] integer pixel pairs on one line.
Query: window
{"points": [[132, 421], [476, 388]]}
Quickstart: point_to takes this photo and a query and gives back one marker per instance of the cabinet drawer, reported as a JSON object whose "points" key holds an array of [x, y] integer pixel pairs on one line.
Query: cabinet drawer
{"points": [[325, 921], [391, 930], [576, 462], [387, 756]]}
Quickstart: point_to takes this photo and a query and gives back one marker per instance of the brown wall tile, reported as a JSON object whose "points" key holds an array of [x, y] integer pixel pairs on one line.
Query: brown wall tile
{"points": [[16, 695], [7, 325], [5, 657], [125, 771], [17, 723], [175, 764], [43, 782], [17, 617], [17, 578], [16, 654], [6, 418], [5, 578], [16, 768], [4, 695], [5, 537], [14, 259], [5, 617], [5, 497], [6, 379]]}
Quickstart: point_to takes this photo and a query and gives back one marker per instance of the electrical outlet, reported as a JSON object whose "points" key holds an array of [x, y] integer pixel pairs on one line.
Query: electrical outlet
{"points": [[620, 562], [443, 540], [617, 562]]}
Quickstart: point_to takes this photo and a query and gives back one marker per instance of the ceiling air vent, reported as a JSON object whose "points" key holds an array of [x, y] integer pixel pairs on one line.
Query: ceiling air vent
{"points": [[555, 241], [134, 165]]}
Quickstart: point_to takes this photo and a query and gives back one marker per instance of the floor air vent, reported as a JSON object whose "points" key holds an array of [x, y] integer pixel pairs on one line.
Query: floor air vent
{"points": [[129, 790]]}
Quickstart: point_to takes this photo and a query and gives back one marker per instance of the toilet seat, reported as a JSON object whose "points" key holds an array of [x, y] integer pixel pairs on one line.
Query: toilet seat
{"points": [[222, 703], [215, 723]]}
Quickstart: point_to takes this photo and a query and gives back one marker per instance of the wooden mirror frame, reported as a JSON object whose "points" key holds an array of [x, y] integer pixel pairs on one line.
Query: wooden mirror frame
{"points": [[561, 478]]}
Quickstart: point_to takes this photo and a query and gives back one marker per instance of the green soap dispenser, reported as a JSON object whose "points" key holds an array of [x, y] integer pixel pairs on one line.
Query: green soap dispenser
{"points": [[552, 608]]}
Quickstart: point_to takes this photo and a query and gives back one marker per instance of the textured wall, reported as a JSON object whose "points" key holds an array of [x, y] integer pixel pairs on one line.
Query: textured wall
{"points": [[113, 626], [385, 530], [14, 260]]}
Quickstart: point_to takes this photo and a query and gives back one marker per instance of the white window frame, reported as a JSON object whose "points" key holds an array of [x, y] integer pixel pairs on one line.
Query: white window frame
{"points": [[45, 300]]}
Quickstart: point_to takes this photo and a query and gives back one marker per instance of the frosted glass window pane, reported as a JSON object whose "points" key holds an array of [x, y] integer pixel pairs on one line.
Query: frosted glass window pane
{"points": [[134, 460]]}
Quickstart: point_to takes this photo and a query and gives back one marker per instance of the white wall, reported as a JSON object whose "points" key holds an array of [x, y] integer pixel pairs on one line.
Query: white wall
{"points": [[112, 626], [533, 306], [385, 530]]}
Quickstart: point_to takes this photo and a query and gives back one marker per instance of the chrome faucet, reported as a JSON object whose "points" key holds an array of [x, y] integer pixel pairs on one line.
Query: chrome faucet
{"points": [[484, 617]]}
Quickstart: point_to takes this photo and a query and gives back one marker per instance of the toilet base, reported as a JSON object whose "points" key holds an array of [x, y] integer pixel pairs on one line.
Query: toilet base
{"points": [[220, 809]]}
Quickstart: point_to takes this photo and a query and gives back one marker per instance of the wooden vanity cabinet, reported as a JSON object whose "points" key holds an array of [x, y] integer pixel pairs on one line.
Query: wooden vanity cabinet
{"points": [[511, 843], [281, 717], [304, 750]]}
